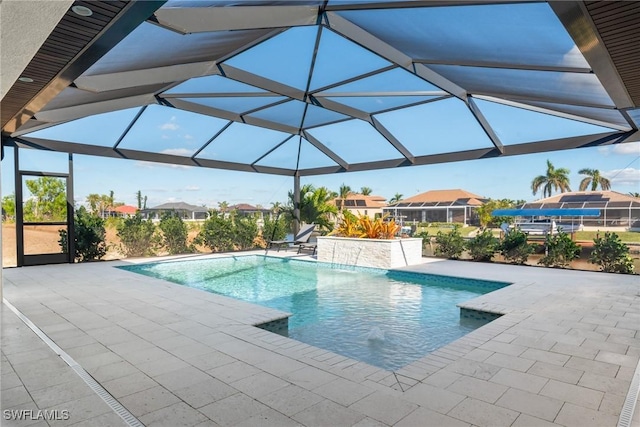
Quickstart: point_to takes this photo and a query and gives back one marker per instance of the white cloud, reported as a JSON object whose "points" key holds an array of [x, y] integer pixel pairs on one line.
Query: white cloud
{"points": [[627, 176], [187, 136], [170, 125], [632, 148], [192, 188], [629, 148]]}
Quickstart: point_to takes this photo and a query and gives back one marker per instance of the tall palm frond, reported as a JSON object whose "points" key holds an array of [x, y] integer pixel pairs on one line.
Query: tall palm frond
{"points": [[343, 193], [554, 179], [396, 198], [593, 178]]}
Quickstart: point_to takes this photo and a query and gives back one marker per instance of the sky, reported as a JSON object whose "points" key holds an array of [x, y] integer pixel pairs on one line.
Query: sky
{"points": [[508, 177], [507, 31]]}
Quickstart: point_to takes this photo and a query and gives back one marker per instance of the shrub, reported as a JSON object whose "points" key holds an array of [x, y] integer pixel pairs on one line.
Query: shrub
{"points": [[274, 228], [378, 228], [113, 222], [217, 233], [424, 235], [483, 246], [174, 234], [560, 250], [450, 244], [349, 226], [138, 236], [514, 247], [223, 234], [364, 227], [245, 231], [89, 237], [611, 254]]}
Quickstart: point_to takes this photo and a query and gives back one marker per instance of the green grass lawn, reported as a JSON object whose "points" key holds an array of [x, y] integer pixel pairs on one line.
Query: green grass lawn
{"points": [[434, 230], [625, 236]]}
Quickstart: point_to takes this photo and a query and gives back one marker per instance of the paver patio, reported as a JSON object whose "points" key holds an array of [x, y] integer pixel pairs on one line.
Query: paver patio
{"points": [[563, 353]]}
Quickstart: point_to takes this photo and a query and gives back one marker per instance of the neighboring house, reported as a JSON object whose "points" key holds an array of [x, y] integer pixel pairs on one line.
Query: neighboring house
{"points": [[616, 209], [359, 204], [123, 211], [247, 209], [452, 206], [186, 211]]}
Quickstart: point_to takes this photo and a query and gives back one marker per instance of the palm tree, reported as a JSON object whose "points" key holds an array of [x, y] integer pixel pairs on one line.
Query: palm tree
{"points": [[396, 198], [314, 206], [365, 191], [94, 202], [343, 193], [555, 179], [594, 178], [634, 194]]}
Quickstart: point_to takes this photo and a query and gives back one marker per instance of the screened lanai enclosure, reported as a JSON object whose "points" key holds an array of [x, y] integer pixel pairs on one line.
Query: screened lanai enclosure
{"points": [[616, 210], [318, 87]]}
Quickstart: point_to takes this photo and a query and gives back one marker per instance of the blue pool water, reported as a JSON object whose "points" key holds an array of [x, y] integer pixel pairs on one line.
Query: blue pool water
{"points": [[385, 318]]}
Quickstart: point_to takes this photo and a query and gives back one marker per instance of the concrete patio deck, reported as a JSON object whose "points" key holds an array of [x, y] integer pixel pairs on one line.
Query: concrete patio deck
{"points": [[564, 353]]}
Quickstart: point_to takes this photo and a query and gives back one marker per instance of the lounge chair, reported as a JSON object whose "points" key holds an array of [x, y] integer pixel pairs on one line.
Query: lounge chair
{"points": [[311, 246], [302, 237]]}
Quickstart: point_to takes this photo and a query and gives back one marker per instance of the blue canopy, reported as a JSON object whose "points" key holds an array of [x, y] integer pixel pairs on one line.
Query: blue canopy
{"points": [[546, 212]]}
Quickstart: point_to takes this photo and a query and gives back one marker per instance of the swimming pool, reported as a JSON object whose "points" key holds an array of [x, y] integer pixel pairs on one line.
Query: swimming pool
{"points": [[384, 318]]}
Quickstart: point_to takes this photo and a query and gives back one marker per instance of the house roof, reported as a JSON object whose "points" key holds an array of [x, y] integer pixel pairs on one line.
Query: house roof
{"points": [[246, 207], [355, 201], [457, 196], [178, 206], [586, 199], [317, 87], [126, 209]]}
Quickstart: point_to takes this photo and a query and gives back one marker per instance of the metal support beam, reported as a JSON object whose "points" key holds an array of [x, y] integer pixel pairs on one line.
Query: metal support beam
{"points": [[329, 153], [94, 150], [261, 82], [234, 117], [629, 120], [485, 124], [578, 23], [206, 19], [531, 97], [392, 139], [503, 65], [17, 182], [596, 140], [296, 203], [144, 77], [362, 37], [66, 114], [71, 213], [550, 112], [412, 4]]}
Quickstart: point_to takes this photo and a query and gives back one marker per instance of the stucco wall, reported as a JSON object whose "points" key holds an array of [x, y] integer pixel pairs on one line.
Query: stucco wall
{"points": [[370, 252]]}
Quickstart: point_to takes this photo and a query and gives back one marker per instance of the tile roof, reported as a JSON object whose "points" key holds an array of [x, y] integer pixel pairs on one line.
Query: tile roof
{"points": [[589, 196], [361, 201], [126, 209], [446, 196]]}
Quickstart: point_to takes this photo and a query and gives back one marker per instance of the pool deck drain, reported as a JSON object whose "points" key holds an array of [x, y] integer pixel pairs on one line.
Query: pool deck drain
{"points": [[564, 353]]}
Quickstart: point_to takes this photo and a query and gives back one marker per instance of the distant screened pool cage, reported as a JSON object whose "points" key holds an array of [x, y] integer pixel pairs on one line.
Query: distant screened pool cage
{"points": [[616, 209]]}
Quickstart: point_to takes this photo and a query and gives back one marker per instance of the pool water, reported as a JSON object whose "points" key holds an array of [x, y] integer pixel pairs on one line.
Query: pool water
{"points": [[385, 318]]}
